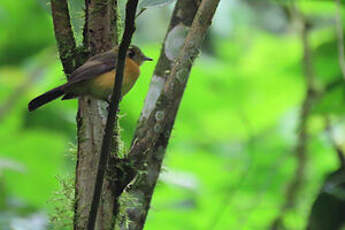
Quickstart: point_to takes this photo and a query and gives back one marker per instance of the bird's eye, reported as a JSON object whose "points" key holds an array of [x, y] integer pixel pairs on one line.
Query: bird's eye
{"points": [[131, 53]]}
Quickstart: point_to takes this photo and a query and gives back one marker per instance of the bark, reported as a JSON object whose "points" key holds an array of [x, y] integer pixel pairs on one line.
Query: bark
{"points": [[182, 17], [154, 128], [131, 9], [99, 35], [64, 35]]}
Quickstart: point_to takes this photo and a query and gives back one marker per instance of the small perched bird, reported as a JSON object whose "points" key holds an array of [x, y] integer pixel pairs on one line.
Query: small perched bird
{"points": [[96, 77]]}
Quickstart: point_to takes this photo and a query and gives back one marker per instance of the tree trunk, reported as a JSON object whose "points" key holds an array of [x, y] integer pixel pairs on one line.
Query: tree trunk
{"points": [[182, 18], [162, 103], [99, 35]]}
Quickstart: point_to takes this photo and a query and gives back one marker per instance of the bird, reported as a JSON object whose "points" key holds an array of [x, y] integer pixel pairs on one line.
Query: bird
{"points": [[96, 77]]}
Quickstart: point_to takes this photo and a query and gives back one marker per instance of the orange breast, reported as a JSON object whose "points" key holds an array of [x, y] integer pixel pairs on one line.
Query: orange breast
{"points": [[131, 75], [102, 85]]}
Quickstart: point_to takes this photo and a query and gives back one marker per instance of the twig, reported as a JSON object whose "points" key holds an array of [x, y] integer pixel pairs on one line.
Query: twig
{"points": [[141, 12], [340, 35], [64, 34], [113, 107]]}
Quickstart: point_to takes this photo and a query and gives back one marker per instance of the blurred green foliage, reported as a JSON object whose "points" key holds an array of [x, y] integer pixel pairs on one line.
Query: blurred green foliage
{"points": [[231, 154], [26, 29]]}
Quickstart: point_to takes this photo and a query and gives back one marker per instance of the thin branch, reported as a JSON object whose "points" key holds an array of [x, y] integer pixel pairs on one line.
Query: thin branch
{"points": [[86, 24], [301, 148], [141, 12], [340, 35], [113, 107], [64, 34]]}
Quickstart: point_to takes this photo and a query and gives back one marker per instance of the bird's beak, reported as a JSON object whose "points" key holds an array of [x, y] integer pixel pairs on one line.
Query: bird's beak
{"points": [[148, 59]]}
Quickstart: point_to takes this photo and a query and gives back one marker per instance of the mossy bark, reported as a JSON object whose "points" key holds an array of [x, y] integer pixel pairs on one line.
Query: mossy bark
{"points": [[142, 190], [64, 35], [99, 36], [155, 124]]}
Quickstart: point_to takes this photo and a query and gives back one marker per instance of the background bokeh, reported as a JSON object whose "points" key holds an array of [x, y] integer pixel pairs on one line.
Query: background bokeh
{"points": [[232, 151]]}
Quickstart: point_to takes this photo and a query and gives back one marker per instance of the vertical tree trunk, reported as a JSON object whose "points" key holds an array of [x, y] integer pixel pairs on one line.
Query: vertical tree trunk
{"points": [[99, 35], [161, 106], [182, 18]]}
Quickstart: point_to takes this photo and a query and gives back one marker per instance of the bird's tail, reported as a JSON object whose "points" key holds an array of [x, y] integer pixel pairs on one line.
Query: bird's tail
{"points": [[46, 97]]}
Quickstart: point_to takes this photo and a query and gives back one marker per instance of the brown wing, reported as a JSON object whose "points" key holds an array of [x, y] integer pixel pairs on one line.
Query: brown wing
{"points": [[93, 67]]}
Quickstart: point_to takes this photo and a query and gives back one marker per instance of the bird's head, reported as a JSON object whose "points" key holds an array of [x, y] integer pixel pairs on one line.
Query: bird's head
{"points": [[137, 55]]}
